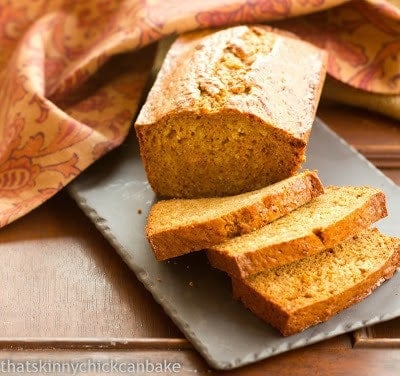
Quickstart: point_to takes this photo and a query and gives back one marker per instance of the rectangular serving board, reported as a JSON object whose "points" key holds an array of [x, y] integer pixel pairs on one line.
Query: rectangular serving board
{"points": [[197, 297]]}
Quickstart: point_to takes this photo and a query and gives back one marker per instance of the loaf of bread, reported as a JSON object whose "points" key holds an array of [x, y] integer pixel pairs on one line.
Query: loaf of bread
{"points": [[296, 296], [230, 112], [178, 226], [325, 221]]}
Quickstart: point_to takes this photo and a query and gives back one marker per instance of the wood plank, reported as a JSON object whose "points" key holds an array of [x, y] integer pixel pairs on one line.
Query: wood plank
{"points": [[311, 360], [61, 278], [375, 136], [382, 335], [46, 343]]}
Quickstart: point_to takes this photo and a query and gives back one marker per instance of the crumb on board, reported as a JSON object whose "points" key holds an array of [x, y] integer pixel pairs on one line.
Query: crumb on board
{"points": [[139, 211]]}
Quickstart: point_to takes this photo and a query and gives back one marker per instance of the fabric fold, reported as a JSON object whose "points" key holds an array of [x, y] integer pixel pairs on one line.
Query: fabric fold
{"points": [[72, 73]]}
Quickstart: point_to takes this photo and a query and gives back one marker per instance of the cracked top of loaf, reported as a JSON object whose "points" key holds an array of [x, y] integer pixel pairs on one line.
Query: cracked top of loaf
{"points": [[250, 69]]}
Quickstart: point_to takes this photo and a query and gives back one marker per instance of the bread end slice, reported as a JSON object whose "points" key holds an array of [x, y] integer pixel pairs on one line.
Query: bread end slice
{"points": [[299, 295]]}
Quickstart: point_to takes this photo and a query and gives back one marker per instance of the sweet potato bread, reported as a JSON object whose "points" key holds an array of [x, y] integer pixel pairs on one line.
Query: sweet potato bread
{"points": [[178, 226], [230, 112], [296, 296], [326, 220]]}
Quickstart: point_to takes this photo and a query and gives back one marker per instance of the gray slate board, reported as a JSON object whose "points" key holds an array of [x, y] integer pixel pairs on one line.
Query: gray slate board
{"points": [[222, 330]]}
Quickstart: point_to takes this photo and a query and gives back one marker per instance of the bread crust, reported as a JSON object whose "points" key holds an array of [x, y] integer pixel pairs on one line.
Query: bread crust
{"points": [[291, 322], [275, 203], [247, 263]]}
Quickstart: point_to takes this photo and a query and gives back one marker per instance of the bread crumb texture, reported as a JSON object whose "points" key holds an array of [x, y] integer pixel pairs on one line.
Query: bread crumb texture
{"points": [[321, 223], [179, 226], [298, 295], [313, 217]]}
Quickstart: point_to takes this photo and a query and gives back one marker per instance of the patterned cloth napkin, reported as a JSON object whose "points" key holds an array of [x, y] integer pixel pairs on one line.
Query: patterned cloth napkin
{"points": [[72, 72]]}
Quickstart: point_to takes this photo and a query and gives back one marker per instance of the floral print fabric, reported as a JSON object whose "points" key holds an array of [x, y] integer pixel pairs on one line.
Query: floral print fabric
{"points": [[72, 73]]}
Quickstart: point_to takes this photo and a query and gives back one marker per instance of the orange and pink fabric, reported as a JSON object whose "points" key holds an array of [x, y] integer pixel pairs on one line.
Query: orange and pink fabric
{"points": [[72, 72]]}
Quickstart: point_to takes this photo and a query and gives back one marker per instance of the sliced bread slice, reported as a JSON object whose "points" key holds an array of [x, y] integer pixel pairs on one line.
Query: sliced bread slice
{"points": [[296, 296], [325, 221], [179, 226]]}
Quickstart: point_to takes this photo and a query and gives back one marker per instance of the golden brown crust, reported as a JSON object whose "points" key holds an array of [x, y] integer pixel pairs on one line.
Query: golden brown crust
{"points": [[213, 79], [178, 240], [267, 310], [289, 323], [241, 265], [182, 74]]}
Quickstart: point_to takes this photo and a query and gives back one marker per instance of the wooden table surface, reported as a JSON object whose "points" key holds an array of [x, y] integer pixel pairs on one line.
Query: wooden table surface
{"points": [[67, 295]]}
